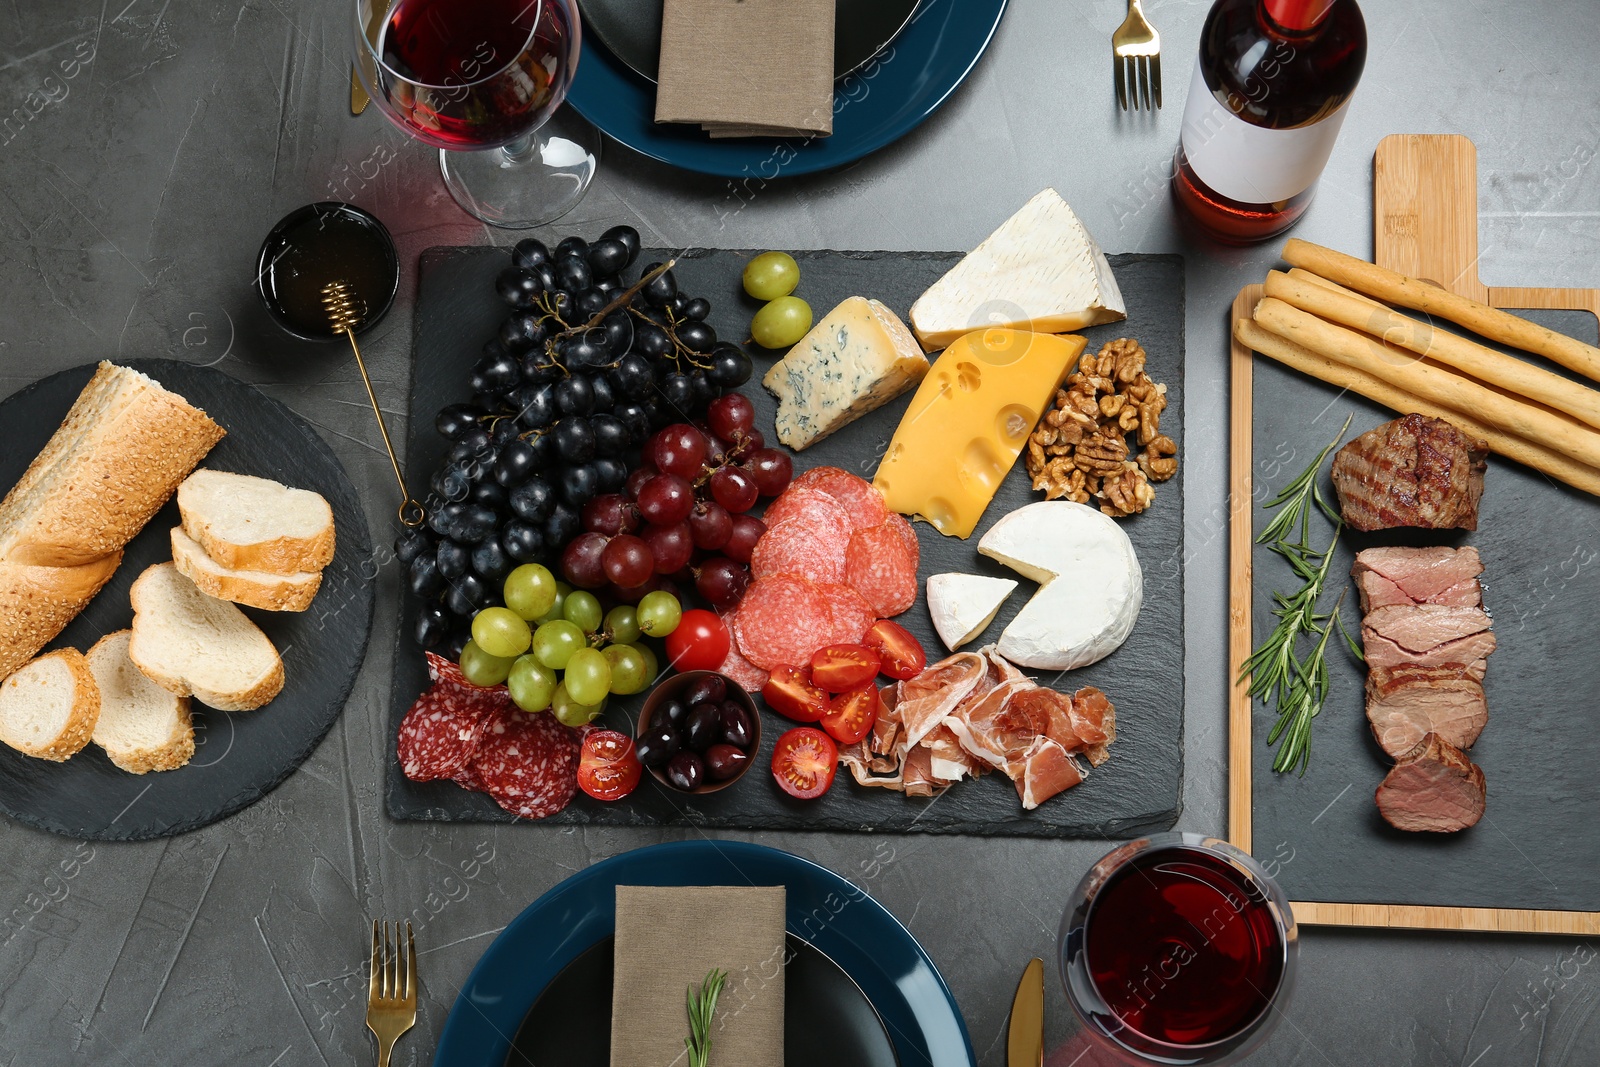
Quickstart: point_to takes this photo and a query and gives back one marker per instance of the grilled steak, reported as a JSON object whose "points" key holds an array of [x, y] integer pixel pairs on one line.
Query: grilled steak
{"points": [[1441, 575], [1414, 471], [1432, 787], [1405, 704]]}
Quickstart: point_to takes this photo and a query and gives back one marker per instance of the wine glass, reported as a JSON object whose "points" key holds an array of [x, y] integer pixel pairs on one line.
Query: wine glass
{"points": [[1178, 949], [483, 81]]}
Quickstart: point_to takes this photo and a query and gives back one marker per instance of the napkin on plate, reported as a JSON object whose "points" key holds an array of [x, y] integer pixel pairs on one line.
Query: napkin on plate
{"points": [[671, 937], [744, 68]]}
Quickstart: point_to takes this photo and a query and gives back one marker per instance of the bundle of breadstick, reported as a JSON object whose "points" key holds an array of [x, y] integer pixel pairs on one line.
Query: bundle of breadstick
{"points": [[1328, 317]]}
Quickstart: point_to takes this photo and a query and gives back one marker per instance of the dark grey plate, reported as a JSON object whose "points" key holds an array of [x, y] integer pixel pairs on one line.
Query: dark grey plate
{"points": [[239, 756], [570, 1023], [1138, 790], [632, 30]]}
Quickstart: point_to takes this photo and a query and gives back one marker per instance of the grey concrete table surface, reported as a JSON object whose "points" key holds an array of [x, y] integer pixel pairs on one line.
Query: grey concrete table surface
{"points": [[147, 145]]}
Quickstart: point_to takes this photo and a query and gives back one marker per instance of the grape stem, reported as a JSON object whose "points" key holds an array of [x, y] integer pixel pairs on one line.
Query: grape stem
{"points": [[621, 300]]}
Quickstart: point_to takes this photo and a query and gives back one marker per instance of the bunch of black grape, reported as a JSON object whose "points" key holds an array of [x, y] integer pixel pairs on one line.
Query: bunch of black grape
{"points": [[580, 374]]}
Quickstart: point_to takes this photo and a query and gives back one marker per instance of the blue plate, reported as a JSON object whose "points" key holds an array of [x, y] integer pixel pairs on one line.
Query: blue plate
{"points": [[872, 107], [839, 919]]}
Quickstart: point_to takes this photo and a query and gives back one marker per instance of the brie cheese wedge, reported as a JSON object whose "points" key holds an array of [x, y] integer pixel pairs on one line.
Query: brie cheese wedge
{"points": [[1039, 271], [1091, 586], [963, 605]]}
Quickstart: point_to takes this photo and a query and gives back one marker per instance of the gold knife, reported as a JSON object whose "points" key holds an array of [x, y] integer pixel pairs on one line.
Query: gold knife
{"points": [[1025, 1041]]}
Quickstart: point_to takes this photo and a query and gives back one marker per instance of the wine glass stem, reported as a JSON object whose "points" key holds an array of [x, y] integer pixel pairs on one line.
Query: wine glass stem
{"points": [[523, 150]]}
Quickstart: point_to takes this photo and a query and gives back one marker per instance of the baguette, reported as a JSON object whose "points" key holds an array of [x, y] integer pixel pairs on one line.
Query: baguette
{"points": [[194, 645], [36, 603], [255, 589], [1333, 372], [142, 727], [246, 523], [49, 708]]}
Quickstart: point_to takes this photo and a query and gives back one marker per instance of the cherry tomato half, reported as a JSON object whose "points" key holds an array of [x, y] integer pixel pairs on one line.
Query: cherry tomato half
{"points": [[804, 762], [840, 668], [790, 692], [902, 654], [607, 767], [700, 643], [851, 715]]}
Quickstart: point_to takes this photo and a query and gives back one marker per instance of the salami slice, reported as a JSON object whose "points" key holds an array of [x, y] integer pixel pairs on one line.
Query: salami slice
{"points": [[908, 534], [778, 621], [880, 567], [741, 671], [860, 500], [851, 615], [440, 734], [815, 507], [528, 763], [810, 547]]}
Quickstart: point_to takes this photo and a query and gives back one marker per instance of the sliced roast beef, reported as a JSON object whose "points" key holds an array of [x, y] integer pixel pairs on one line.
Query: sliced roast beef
{"points": [[1468, 654], [1433, 787], [1435, 575], [1413, 471], [1406, 703], [1420, 627]]}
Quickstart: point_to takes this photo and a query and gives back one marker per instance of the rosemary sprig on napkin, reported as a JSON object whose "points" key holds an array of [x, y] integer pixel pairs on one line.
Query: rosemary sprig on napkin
{"points": [[1276, 669], [702, 1005]]}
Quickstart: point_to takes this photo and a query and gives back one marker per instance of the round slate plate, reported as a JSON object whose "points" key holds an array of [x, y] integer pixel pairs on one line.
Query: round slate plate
{"points": [[632, 30], [814, 988], [845, 925], [239, 756], [872, 107]]}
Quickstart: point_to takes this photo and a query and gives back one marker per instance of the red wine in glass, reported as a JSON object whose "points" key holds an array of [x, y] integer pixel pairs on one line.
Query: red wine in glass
{"points": [[467, 74], [1178, 949], [1268, 96]]}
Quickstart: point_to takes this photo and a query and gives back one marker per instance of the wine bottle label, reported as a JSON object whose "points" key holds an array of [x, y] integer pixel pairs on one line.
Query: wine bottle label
{"points": [[1248, 163]]}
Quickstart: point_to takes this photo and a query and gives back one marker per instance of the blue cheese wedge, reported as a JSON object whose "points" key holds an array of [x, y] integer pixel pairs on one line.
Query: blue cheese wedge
{"points": [[1039, 271], [857, 359]]}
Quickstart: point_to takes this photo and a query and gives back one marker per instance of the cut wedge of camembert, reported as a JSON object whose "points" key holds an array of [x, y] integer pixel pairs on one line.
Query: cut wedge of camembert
{"points": [[1039, 271], [1090, 591], [857, 359], [963, 605]]}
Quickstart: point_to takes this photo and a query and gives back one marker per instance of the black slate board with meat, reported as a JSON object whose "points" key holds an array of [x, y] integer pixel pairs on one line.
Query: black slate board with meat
{"points": [[1539, 541], [1138, 790]]}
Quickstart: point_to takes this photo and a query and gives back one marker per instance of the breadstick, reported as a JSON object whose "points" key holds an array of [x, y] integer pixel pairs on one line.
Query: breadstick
{"points": [[1335, 373], [1317, 279], [1490, 322], [1469, 357], [1430, 382]]}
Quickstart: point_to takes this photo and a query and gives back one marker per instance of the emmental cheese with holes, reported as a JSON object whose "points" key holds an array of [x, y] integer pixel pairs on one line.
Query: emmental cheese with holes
{"points": [[968, 422], [1039, 271], [857, 359]]}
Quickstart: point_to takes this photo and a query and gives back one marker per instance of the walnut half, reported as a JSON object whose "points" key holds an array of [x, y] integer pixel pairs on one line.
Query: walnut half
{"points": [[1159, 460], [1126, 492]]}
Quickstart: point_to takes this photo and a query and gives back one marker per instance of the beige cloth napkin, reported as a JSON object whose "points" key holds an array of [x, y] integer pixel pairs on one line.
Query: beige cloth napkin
{"points": [[669, 938], [743, 68]]}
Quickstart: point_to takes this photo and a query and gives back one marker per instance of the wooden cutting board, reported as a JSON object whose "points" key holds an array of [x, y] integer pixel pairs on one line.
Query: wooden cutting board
{"points": [[1425, 208]]}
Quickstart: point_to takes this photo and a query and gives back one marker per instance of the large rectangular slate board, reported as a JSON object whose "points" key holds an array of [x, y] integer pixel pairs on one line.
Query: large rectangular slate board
{"points": [[1137, 790], [1536, 846]]}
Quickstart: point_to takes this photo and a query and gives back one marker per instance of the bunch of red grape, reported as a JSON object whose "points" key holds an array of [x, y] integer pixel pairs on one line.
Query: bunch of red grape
{"points": [[681, 515]]}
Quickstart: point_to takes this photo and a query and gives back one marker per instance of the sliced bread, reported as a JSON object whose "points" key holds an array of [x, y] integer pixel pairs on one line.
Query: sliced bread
{"points": [[256, 524], [256, 589], [36, 603], [123, 448], [195, 645], [142, 727], [49, 708]]}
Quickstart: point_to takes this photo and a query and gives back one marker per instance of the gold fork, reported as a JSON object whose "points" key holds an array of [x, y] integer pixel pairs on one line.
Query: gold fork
{"points": [[1136, 61], [392, 993]]}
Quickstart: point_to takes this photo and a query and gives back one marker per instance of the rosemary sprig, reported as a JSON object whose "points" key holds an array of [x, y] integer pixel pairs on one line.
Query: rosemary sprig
{"points": [[1277, 672], [702, 1006]]}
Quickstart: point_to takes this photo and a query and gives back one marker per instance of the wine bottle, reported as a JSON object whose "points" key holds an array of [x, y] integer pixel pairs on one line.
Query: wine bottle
{"points": [[1269, 94]]}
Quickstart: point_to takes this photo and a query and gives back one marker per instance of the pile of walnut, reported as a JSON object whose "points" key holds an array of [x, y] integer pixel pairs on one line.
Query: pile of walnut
{"points": [[1080, 450]]}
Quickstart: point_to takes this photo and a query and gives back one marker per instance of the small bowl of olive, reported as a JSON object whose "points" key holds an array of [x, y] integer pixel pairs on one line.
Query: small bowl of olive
{"points": [[698, 732]]}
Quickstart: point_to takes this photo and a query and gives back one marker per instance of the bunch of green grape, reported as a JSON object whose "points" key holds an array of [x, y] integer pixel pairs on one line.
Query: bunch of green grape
{"points": [[554, 648]]}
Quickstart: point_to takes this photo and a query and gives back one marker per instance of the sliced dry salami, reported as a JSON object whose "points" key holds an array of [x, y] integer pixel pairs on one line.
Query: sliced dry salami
{"points": [[441, 732], [880, 567], [813, 506], [528, 763], [741, 671], [807, 546], [860, 500], [851, 614], [908, 534], [778, 621]]}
